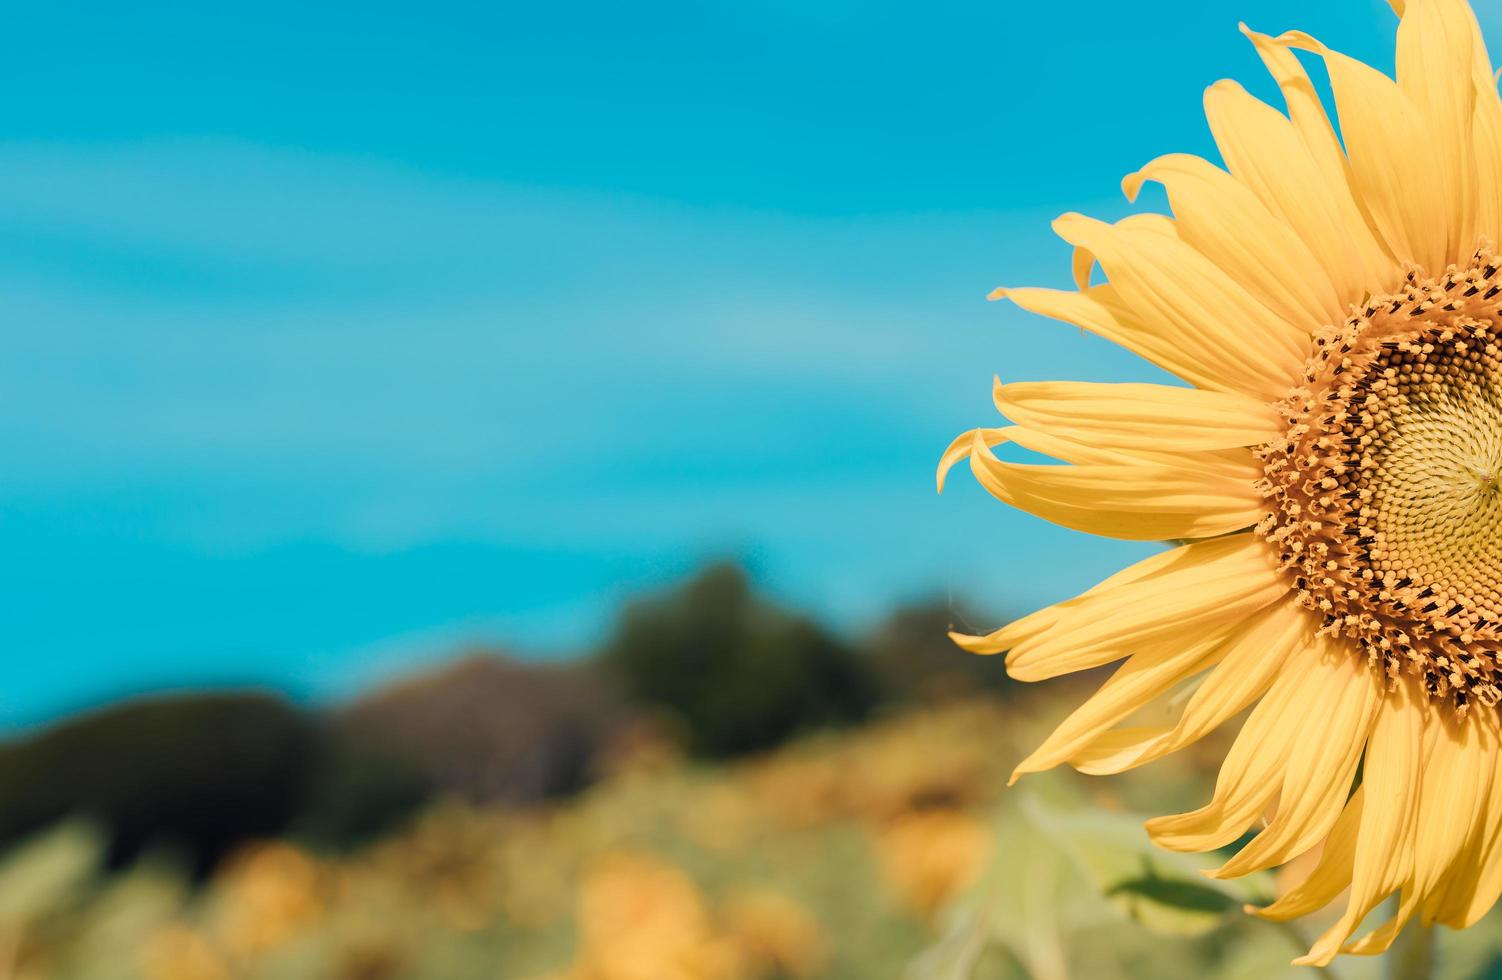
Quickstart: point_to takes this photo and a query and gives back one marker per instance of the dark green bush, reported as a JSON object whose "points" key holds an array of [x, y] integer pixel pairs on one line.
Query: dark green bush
{"points": [[194, 774], [733, 672], [360, 789]]}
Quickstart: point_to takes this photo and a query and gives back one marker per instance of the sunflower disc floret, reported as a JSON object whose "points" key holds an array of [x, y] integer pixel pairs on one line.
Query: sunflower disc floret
{"points": [[1387, 486]]}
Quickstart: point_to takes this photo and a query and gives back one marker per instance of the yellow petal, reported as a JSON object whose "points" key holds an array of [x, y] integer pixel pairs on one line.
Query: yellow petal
{"points": [[1451, 794], [1438, 44], [1039, 623], [1331, 875], [1486, 142], [1457, 781], [1248, 778], [1391, 774], [1101, 311], [1140, 416], [1333, 725], [1138, 501], [1305, 110], [1251, 659], [959, 450], [1191, 590], [1394, 171], [1195, 305], [1219, 216], [1310, 192], [1154, 668], [1203, 585], [1471, 893]]}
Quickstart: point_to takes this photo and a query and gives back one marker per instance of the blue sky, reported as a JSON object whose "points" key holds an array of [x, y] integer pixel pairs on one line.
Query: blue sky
{"points": [[336, 338]]}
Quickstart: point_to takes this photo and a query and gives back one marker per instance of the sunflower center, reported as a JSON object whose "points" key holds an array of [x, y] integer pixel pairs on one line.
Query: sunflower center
{"points": [[1386, 492]]}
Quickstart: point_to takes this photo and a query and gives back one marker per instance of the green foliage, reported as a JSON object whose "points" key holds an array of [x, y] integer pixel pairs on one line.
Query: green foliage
{"points": [[360, 790], [735, 673], [1077, 891], [1153, 890], [196, 773]]}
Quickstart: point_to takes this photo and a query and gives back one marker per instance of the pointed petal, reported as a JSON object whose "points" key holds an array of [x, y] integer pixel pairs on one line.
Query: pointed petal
{"points": [[1396, 177], [1251, 660], [1195, 305], [1438, 43], [1141, 416], [1201, 585], [1221, 217], [1248, 779], [1383, 848], [1040, 623], [1471, 893], [959, 450], [1307, 188], [1345, 694], [1331, 876], [1101, 311], [1138, 501], [1154, 668]]}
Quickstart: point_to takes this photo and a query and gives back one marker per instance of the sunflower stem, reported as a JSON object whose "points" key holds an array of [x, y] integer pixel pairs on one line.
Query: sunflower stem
{"points": [[1412, 955]]}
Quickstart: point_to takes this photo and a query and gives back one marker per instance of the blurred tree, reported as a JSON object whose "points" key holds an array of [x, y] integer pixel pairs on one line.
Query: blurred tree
{"points": [[734, 672], [914, 658], [197, 774], [484, 729], [360, 789]]}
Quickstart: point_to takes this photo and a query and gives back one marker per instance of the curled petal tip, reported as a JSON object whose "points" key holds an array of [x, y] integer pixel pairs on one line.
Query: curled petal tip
{"points": [[1302, 41], [964, 446], [999, 292], [1131, 185], [981, 646], [1256, 37], [1066, 221]]}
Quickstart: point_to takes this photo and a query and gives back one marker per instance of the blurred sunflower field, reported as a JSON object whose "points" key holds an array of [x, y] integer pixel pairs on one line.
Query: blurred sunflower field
{"points": [[594, 821], [889, 850]]}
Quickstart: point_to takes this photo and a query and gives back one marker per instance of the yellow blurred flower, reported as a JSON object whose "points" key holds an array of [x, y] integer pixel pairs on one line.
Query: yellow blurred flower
{"points": [[178, 952], [929, 856], [641, 919], [777, 932], [270, 893]]}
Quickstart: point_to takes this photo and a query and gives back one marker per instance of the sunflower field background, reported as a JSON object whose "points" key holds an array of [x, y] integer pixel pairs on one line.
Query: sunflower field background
{"points": [[881, 846]]}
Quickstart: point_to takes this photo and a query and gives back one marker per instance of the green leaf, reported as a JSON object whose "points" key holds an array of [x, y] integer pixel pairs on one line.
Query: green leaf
{"points": [[1177, 892], [1162, 890]]}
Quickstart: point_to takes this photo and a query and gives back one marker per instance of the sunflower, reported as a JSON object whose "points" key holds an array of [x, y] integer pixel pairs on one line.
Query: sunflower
{"points": [[1333, 469]]}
